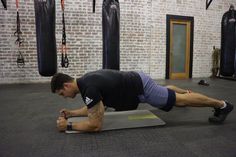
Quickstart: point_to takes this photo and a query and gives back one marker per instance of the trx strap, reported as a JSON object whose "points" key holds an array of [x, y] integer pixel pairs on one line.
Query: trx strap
{"points": [[20, 58], [64, 59]]}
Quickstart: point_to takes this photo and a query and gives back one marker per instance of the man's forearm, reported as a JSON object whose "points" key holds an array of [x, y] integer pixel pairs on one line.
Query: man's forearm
{"points": [[80, 112], [85, 126], [94, 121]]}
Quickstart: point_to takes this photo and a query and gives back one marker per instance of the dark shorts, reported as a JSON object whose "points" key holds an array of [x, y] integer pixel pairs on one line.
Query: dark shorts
{"points": [[156, 95]]}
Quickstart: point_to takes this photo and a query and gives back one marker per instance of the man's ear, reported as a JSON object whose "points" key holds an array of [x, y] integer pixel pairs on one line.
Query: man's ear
{"points": [[66, 85]]}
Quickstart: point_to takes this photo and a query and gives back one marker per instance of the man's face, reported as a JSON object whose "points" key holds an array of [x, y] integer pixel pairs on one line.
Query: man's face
{"points": [[67, 91]]}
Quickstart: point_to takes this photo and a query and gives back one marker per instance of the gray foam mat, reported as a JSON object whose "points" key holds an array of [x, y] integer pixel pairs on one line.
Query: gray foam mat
{"points": [[125, 120]]}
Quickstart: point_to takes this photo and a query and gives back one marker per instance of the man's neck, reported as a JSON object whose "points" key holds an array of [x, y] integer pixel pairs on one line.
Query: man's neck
{"points": [[76, 86]]}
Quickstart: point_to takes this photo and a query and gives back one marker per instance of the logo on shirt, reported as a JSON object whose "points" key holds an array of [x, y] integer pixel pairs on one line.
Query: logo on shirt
{"points": [[88, 100]]}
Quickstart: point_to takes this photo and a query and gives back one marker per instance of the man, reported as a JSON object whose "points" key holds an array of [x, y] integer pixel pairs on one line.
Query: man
{"points": [[124, 91]]}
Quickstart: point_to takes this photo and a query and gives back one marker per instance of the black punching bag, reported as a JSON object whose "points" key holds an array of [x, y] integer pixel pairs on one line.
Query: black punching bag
{"points": [[111, 34], [4, 3], [45, 32], [228, 43]]}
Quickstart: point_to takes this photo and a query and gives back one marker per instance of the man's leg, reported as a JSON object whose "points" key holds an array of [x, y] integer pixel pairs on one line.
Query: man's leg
{"points": [[197, 100], [177, 89], [222, 108], [165, 97]]}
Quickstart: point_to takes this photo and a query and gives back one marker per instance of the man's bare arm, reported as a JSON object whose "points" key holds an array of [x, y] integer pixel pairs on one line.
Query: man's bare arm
{"points": [[94, 121], [74, 113], [80, 112]]}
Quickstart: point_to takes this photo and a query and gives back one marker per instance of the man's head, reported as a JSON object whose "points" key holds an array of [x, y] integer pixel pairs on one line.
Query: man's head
{"points": [[64, 85]]}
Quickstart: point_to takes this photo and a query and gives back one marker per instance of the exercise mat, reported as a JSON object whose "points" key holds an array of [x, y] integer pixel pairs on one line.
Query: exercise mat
{"points": [[125, 120]]}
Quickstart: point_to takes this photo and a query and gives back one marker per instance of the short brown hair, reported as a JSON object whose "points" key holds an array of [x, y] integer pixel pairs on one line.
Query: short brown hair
{"points": [[58, 81]]}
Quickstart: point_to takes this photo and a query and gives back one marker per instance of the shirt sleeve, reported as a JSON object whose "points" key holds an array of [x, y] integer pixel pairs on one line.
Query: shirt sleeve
{"points": [[92, 96]]}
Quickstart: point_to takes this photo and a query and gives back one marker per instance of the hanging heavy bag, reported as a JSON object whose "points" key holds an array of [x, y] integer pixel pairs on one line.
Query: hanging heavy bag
{"points": [[234, 20], [4, 3], [111, 34], [45, 32], [228, 43]]}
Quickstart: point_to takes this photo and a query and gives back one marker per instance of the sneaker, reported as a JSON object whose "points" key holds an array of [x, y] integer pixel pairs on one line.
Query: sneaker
{"points": [[220, 114], [203, 82]]}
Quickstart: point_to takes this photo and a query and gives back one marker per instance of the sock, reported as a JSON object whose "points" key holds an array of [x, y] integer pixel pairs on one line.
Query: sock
{"points": [[223, 106]]}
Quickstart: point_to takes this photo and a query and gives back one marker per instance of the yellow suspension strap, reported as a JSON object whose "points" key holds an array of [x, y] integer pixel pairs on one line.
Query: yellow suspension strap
{"points": [[64, 59]]}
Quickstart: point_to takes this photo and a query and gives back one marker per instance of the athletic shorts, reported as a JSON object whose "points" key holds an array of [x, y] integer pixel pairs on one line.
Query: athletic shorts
{"points": [[156, 95]]}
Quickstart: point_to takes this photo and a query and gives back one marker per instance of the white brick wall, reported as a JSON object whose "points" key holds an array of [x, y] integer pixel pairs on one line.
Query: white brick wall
{"points": [[142, 36]]}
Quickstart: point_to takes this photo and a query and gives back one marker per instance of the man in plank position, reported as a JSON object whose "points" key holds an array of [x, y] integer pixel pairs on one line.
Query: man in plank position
{"points": [[124, 91]]}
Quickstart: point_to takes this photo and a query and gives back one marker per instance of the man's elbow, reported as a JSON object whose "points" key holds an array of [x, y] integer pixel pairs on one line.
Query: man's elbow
{"points": [[96, 127]]}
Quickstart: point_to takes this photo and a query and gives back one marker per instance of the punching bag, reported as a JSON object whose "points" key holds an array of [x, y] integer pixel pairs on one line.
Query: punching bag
{"points": [[111, 34], [4, 3], [45, 36], [228, 43]]}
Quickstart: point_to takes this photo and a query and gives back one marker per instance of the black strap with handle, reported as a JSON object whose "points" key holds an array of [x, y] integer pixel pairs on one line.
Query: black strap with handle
{"points": [[64, 58], [20, 58]]}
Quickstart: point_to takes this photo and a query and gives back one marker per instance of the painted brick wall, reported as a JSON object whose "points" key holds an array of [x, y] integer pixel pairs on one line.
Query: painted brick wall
{"points": [[142, 36]]}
